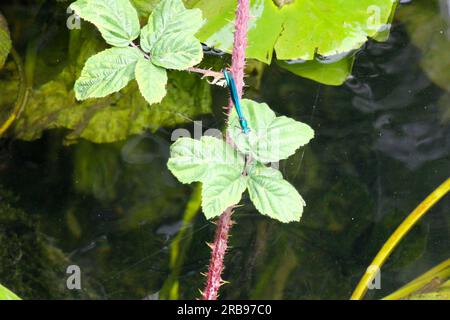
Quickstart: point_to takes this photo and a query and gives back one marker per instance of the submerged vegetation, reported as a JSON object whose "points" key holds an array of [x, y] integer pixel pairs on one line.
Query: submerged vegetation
{"points": [[90, 116]]}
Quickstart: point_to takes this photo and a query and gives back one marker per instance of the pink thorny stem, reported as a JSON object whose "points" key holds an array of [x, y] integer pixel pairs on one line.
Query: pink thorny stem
{"points": [[220, 245]]}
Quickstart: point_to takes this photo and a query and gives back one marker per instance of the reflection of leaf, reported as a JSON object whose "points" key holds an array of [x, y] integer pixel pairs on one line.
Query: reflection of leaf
{"points": [[298, 29], [5, 40], [271, 138], [112, 118], [334, 73], [429, 32], [116, 20], [96, 171]]}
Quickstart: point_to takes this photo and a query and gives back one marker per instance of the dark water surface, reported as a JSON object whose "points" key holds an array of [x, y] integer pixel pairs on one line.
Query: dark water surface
{"points": [[382, 145]]}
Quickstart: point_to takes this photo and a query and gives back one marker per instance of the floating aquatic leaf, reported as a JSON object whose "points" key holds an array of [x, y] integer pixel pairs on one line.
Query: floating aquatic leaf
{"points": [[298, 29], [333, 73]]}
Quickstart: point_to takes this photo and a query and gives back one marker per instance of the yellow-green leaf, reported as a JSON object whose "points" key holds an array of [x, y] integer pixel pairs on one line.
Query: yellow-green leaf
{"points": [[273, 196], [222, 189], [170, 17], [117, 20], [271, 138], [298, 29], [6, 294], [107, 72], [152, 80]]}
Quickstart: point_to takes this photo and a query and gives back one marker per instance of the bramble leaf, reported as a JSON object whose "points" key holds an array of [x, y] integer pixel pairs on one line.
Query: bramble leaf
{"points": [[196, 160], [214, 163], [152, 80], [177, 51], [273, 196], [117, 20], [271, 138], [170, 17], [223, 188], [107, 72], [5, 41]]}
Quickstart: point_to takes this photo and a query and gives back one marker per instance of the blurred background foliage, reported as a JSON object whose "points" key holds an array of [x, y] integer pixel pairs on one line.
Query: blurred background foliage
{"points": [[87, 183]]}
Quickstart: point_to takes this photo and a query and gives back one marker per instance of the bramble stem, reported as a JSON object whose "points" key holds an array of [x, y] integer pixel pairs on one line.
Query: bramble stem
{"points": [[134, 45], [220, 245]]}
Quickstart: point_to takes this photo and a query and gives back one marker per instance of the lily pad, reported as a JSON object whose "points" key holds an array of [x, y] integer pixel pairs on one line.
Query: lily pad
{"points": [[297, 29], [328, 72]]}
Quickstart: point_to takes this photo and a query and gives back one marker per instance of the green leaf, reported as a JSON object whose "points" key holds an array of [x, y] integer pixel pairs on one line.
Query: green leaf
{"points": [[107, 72], [330, 73], [146, 32], [170, 17], [271, 138], [5, 41], [298, 29], [144, 7], [273, 196], [196, 160], [152, 80], [259, 169], [108, 119], [177, 51], [6, 294], [223, 188], [117, 20]]}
